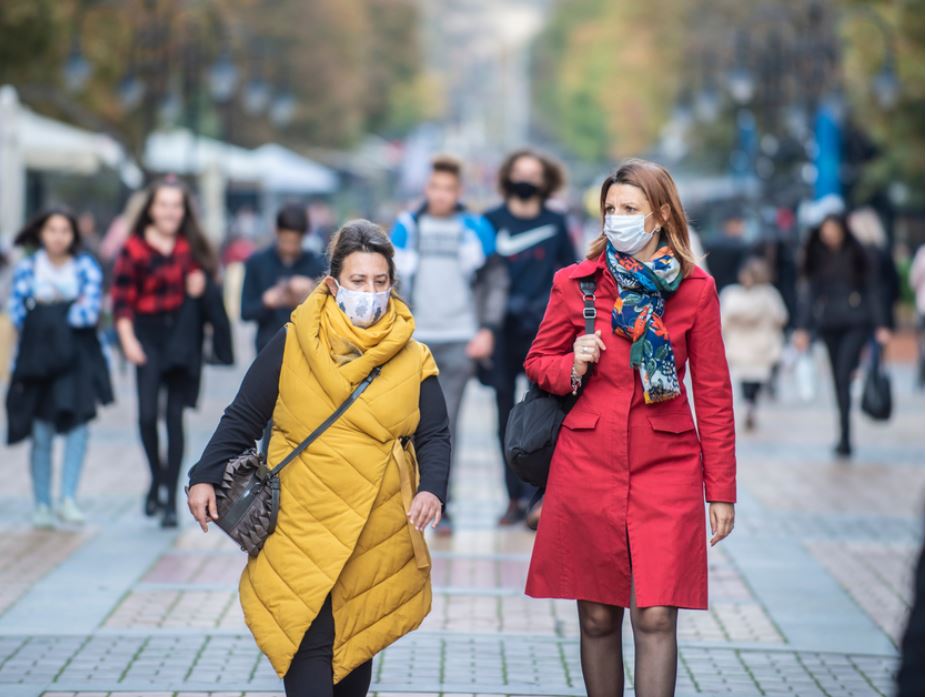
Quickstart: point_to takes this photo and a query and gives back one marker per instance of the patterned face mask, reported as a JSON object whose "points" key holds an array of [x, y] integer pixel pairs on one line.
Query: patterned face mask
{"points": [[362, 308]]}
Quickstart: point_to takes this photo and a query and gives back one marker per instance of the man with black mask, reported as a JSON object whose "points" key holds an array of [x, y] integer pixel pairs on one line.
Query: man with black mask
{"points": [[534, 241]]}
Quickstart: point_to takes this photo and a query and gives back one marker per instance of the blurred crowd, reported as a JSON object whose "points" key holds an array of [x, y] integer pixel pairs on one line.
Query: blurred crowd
{"points": [[153, 291]]}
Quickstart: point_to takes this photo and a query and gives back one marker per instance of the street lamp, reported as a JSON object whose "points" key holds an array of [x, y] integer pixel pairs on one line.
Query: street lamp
{"points": [[223, 77], [76, 69], [130, 90], [283, 108]]}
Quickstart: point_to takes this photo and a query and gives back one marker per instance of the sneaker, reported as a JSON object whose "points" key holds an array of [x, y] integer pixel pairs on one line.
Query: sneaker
{"points": [[514, 514], [444, 527], [42, 518], [68, 512], [843, 450]]}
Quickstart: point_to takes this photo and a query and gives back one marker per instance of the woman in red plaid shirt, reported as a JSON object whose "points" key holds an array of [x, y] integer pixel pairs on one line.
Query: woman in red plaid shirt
{"points": [[165, 259]]}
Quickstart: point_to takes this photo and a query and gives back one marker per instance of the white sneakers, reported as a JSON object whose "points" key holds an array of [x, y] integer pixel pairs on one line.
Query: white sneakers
{"points": [[67, 512], [42, 518]]}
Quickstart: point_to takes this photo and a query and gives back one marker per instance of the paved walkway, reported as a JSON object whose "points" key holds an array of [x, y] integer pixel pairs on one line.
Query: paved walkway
{"points": [[808, 596]]}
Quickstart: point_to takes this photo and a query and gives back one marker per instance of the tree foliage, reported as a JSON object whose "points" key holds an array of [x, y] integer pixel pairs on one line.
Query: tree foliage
{"points": [[344, 61]]}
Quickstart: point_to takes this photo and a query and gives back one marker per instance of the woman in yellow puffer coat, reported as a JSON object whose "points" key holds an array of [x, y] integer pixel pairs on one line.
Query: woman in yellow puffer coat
{"points": [[346, 572]]}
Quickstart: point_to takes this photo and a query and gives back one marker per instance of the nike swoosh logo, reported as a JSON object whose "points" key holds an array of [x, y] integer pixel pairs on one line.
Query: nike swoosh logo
{"points": [[508, 246]]}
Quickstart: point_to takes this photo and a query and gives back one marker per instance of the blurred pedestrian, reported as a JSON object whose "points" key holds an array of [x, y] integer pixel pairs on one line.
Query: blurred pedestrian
{"points": [[866, 226], [166, 260], [60, 374], [727, 254], [534, 241], [918, 284], [346, 572], [455, 283], [753, 316], [623, 522], [278, 278], [842, 305]]}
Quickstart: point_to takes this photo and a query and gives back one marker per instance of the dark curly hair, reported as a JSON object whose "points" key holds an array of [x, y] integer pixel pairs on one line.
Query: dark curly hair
{"points": [[554, 178]]}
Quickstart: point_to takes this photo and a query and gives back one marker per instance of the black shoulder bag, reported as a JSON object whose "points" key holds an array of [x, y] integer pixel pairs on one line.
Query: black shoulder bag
{"points": [[534, 423], [248, 499]]}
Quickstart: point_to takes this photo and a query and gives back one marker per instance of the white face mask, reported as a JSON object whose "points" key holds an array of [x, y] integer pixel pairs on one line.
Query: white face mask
{"points": [[626, 232], [362, 308]]}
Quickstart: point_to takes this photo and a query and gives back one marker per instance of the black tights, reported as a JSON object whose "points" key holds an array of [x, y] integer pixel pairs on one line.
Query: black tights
{"points": [[150, 381], [844, 347], [309, 674], [655, 648]]}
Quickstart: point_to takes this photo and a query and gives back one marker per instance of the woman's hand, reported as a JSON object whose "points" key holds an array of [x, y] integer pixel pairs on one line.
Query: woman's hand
{"points": [[201, 500], [883, 336], [586, 350], [425, 508], [133, 351], [722, 516], [801, 339], [195, 284]]}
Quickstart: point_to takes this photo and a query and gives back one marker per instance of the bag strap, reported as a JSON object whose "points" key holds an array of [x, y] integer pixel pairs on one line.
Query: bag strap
{"points": [[327, 423], [589, 312]]}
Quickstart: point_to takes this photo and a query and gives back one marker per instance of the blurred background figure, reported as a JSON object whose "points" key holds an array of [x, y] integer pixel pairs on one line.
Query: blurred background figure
{"points": [[166, 264], [60, 375], [534, 241], [865, 225], [753, 316], [918, 284], [454, 281], [726, 254], [843, 306], [281, 276]]}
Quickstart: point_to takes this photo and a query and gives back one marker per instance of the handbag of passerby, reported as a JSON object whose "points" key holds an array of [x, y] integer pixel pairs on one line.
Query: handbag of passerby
{"points": [[841, 304], [161, 280], [623, 522], [345, 571], [60, 374]]}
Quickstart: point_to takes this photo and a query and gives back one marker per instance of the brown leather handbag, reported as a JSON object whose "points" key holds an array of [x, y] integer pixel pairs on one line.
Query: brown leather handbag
{"points": [[248, 499]]}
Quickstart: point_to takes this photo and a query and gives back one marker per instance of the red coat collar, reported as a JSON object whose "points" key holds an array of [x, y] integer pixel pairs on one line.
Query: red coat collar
{"points": [[587, 268]]}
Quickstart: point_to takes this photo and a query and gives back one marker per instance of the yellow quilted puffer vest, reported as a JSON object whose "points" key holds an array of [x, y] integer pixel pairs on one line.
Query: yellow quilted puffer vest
{"points": [[342, 527]]}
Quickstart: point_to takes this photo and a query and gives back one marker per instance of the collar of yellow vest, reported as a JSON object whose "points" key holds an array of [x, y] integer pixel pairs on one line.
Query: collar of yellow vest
{"points": [[339, 354]]}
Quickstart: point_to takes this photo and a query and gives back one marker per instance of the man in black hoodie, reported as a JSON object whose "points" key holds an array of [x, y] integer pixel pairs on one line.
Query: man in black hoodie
{"points": [[534, 241]]}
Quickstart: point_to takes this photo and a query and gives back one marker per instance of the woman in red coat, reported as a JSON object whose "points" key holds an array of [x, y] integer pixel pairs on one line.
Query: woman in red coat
{"points": [[623, 517]]}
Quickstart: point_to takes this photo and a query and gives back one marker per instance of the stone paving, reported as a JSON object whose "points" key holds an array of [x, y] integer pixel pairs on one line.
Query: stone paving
{"points": [[808, 597]]}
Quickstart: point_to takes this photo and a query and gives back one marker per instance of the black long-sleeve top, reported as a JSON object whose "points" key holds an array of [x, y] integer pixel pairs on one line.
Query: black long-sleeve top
{"points": [[246, 417]]}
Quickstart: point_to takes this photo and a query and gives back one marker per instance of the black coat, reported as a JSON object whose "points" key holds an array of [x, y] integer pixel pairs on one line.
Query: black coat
{"points": [[190, 344], [842, 290], [60, 384]]}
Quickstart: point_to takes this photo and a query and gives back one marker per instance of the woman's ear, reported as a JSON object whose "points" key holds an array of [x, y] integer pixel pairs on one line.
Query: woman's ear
{"points": [[665, 211], [332, 285]]}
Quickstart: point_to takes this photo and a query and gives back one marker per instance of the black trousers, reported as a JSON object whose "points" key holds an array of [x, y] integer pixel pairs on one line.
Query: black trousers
{"points": [[310, 673], [512, 346], [152, 380], [751, 391], [844, 347]]}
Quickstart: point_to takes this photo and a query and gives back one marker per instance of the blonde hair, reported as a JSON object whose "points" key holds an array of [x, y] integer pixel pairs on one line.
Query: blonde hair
{"points": [[659, 188]]}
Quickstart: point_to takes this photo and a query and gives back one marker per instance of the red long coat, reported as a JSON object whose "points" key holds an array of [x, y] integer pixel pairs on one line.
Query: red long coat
{"points": [[628, 480]]}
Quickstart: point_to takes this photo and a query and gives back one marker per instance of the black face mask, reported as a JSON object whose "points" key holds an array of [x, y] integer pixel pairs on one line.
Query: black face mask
{"points": [[522, 190]]}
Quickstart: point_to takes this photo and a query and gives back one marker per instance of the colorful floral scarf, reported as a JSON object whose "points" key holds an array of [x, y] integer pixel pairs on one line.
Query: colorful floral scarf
{"points": [[637, 315]]}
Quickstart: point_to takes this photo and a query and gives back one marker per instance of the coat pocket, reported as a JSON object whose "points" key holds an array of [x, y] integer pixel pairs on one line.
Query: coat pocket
{"points": [[674, 422], [579, 420]]}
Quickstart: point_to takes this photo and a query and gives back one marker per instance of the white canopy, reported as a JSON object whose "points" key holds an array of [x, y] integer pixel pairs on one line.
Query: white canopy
{"points": [[179, 152], [271, 167], [285, 171], [31, 141]]}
